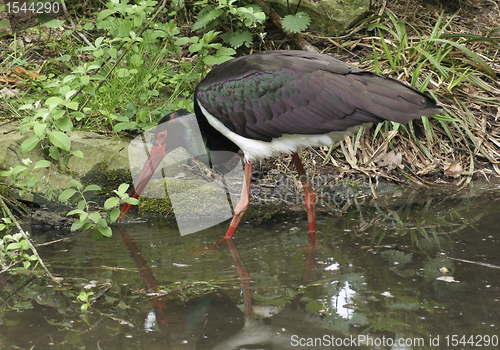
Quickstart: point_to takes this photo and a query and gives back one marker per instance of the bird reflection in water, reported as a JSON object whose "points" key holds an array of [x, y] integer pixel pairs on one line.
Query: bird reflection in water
{"points": [[213, 321]]}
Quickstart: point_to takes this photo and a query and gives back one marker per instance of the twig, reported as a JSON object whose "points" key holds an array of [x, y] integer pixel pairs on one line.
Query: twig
{"points": [[14, 207], [73, 26], [475, 263], [101, 292], [7, 122], [8, 268], [52, 242], [14, 220]]}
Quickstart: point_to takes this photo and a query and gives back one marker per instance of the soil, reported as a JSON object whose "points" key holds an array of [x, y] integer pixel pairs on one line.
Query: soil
{"points": [[44, 220], [20, 19]]}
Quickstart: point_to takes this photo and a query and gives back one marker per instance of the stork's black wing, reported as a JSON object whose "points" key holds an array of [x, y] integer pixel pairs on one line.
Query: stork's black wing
{"points": [[263, 96]]}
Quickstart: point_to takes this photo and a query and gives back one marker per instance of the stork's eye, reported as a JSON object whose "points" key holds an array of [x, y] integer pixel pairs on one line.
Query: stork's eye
{"points": [[161, 137]]}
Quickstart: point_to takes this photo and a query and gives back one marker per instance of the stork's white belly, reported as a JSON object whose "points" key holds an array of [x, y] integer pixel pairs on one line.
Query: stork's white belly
{"points": [[256, 149]]}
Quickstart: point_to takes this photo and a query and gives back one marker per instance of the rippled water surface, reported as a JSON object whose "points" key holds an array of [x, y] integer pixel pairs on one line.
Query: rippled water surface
{"points": [[411, 271]]}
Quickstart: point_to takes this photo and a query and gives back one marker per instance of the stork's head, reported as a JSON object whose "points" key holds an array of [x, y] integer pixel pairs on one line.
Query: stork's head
{"points": [[180, 134]]}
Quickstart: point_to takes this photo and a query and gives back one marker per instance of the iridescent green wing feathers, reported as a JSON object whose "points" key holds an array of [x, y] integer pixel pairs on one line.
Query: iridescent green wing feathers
{"points": [[264, 96]]}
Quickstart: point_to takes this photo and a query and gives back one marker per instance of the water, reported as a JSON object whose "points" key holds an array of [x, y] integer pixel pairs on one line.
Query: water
{"points": [[407, 271]]}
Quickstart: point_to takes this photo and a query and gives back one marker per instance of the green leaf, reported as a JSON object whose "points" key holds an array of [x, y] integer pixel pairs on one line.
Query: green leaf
{"points": [[65, 195], [296, 23], [111, 203], [81, 205], [124, 126], [95, 216], [124, 29], [219, 57], [88, 26], [77, 153], [26, 106], [72, 105], [65, 124], [204, 18], [29, 143], [53, 102], [102, 222], [182, 41], [87, 226], [76, 211], [18, 169], [131, 200], [42, 164], [76, 225], [60, 139], [83, 296], [68, 78], [195, 47], [14, 246], [123, 188], [92, 188], [78, 115], [54, 152], [238, 38], [225, 51], [104, 13], [55, 23], [105, 231], [96, 234], [58, 114], [113, 215], [39, 129], [84, 79], [25, 244]]}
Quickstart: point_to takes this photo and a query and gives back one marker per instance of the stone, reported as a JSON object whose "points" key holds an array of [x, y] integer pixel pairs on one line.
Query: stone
{"points": [[105, 159], [328, 17]]}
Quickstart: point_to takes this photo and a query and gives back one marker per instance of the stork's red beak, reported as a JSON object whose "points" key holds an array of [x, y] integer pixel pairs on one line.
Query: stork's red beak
{"points": [[156, 155]]}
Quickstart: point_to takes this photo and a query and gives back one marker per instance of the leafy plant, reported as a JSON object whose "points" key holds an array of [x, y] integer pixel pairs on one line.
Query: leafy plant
{"points": [[15, 248], [138, 81], [239, 20], [6, 225], [22, 176], [296, 23], [86, 299], [93, 220], [52, 121]]}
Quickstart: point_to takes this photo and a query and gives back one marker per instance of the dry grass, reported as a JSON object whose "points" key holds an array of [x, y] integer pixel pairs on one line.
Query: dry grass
{"points": [[447, 149]]}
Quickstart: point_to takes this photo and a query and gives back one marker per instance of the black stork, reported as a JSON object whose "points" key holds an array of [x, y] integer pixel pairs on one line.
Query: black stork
{"points": [[281, 101]]}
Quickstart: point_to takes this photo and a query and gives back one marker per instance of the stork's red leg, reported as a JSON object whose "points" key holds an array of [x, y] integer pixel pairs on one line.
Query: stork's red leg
{"points": [[310, 196], [242, 205]]}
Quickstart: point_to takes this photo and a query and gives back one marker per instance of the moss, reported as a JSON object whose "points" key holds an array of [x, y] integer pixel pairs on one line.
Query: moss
{"points": [[6, 191], [196, 197], [106, 178], [54, 67], [155, 205]]}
